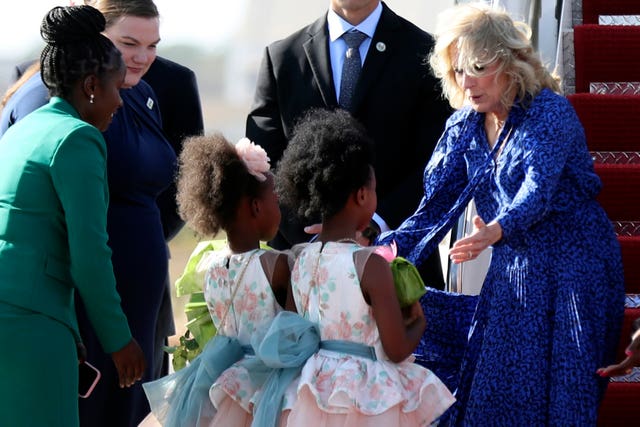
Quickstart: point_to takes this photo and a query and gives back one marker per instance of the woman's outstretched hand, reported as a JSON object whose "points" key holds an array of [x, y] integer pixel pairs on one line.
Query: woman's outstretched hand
{"points": [[483, 236], [130, 363]]}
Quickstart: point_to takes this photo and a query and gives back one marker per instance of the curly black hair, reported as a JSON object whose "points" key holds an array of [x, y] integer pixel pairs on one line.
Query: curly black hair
{"points": [[212, 179], [75, 48], [328, 158]]}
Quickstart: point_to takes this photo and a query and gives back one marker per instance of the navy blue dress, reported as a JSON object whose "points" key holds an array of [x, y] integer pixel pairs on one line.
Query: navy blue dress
{"points": [[140, 165], [550, 309]]}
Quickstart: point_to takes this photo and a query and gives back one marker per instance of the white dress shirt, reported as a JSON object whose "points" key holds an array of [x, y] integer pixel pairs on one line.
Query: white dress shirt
{"points": [[338, 47]]}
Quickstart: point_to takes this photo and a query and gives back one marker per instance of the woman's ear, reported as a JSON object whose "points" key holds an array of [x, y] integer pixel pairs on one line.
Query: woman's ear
{"points": [[89, 85]]}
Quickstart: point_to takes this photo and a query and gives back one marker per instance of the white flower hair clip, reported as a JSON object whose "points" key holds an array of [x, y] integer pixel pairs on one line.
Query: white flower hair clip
{"points": [[254, 157]]}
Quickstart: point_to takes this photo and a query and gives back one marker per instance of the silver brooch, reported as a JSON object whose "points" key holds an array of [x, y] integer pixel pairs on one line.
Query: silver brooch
{"points": [[381, 47], [149, 103]]}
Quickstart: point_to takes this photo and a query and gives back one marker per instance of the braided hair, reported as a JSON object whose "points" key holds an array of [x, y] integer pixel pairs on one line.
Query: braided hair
{"points": [[75, 48]]}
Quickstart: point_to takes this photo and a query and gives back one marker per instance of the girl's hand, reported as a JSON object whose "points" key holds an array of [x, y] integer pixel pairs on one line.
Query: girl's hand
{"points": [[624, 367], [412, 313], [483, 236]]}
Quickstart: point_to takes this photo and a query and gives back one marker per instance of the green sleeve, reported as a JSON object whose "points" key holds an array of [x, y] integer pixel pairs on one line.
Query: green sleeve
{"points": [[78, 171]]}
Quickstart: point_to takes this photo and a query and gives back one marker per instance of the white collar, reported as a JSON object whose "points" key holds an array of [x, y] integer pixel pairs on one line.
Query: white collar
{"points": [[338, 26]]}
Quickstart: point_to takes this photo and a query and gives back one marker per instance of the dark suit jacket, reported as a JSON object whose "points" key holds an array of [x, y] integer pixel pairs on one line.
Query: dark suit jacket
{"points": [[397, 100], [176, 88]]}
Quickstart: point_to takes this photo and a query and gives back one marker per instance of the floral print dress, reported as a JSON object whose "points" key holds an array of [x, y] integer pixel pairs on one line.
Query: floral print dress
{"points": [[237, 287], [342, 389]]}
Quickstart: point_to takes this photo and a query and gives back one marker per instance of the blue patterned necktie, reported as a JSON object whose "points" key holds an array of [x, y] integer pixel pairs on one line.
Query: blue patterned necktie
{"points": [[351, 68]]}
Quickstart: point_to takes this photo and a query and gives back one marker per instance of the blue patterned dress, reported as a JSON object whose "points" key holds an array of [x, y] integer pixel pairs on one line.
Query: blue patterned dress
{"points": [[551, 306]]}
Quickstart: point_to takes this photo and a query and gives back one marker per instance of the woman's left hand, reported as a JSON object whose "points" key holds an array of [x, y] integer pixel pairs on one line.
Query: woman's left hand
{"points": [[483, 236]]}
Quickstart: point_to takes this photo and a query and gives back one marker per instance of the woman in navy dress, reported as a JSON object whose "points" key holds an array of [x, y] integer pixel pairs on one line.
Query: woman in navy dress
{"points": [[140, 165], [551, 306]]}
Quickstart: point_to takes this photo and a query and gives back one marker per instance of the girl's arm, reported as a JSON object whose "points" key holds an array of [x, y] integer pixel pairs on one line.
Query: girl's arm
{"points": [[400, 335]]}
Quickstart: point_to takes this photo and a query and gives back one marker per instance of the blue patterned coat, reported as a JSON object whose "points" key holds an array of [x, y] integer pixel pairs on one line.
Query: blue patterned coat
{"points": [[550, 309]]}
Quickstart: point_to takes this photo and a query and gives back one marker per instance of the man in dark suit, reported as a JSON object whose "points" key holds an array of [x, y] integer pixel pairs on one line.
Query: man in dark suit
{"points": [[396, 98]]}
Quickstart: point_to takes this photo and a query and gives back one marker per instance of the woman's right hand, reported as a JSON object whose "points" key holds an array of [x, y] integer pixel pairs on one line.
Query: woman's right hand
{"points": [[130, 363]]}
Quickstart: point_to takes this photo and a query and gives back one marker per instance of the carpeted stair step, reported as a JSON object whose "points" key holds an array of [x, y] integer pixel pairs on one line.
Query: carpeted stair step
{"points": [[606, 53], [592, 9], [620, 186], [611, 122]]}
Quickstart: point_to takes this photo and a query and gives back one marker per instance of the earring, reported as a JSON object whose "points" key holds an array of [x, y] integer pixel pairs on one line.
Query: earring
{"points": [[91, 99]]}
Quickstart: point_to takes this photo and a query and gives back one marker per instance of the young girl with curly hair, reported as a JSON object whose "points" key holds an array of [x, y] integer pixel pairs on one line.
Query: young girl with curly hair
{"points": [[362, 374], [226, 187]]}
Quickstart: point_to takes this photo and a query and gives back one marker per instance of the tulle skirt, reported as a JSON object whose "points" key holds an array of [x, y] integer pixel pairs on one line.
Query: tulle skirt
{"points": [[307, 413], [231, 414]]}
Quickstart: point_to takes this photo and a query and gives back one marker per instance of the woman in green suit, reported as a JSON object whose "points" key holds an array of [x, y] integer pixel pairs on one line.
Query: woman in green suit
{"points": [[53, 240]]}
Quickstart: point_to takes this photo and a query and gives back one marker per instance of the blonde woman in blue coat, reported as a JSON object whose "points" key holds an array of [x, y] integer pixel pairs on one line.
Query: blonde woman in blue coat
{"points": [[53, 240]]}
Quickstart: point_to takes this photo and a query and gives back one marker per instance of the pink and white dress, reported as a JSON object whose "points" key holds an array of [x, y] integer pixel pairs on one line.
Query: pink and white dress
{"points": [[339, 389], [250, 310]]}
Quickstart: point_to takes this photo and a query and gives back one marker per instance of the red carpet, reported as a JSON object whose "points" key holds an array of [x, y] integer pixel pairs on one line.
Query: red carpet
{"points": [[616, 198], [591, 9], [611, 122], [606, 54], [612, 126]]}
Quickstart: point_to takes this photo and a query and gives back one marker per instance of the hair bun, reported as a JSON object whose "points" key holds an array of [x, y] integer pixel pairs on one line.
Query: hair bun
{"points": [[63, 25]]}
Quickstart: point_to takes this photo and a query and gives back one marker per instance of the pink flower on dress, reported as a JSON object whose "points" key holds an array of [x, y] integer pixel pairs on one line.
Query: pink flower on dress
{"points": [[230, 386], [217, 276], [218, 309], [254, 157], [375, 392], [304, 300], [358, 327], [344, 327], [247, 303], [322, 275], [331, 331], [295, 273], [323, 380]]}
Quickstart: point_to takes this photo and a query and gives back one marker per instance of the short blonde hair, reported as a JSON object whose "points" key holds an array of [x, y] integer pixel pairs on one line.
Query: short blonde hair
{"points": [[479, 35]]}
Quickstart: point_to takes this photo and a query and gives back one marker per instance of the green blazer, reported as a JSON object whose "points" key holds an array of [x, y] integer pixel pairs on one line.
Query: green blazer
{"points": [[53, 213]]}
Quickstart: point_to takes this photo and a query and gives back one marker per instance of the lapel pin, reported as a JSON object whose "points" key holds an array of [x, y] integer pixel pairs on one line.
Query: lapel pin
{"points": [[149, 103], [381, 47]]}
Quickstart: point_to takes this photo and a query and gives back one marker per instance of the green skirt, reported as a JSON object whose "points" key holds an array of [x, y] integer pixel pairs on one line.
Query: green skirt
{"points": [[39, 370]]}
